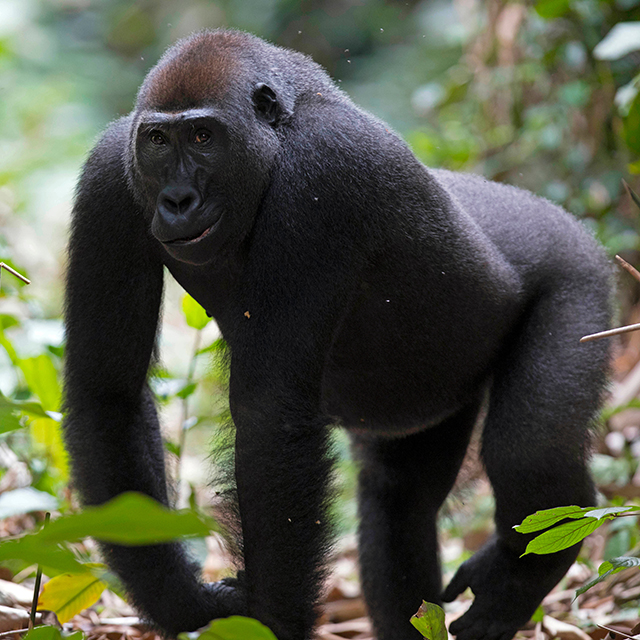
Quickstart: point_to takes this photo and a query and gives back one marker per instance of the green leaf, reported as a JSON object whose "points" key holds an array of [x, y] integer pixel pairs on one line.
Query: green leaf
{"points": [[548, 517], [195, 315], [68, 594], [130, 519], [550, 9], [47, 632], [233, 628], [563, 536], [187, 390], [26, 500], [429, 621], [31, 550], [538, 615], [607, 569], [42, 379], [623, 39]]}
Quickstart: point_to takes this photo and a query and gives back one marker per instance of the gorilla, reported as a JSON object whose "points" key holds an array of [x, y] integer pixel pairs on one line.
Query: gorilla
{"points": [[353, 286]]}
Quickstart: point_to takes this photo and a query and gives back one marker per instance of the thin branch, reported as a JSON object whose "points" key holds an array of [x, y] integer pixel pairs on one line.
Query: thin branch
{"points": [[14, 272], [630, 268], [629, 328], [617, 632], [610, 332], [36, 588], [7, 634]]}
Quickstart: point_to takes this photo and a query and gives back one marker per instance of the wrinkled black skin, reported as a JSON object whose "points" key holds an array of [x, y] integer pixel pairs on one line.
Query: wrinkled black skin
{"points": [[350, 283]]}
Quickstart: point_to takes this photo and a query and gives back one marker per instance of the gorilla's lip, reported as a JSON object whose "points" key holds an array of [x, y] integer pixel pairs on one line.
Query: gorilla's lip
{"points": [[193, 239]]}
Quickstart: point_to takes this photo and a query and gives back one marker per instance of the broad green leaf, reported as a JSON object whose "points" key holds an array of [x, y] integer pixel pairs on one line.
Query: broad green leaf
{"points": [[548, 517], [623, 38], [233, 628], [42, 379], [52, 557], [429, 621], [68, 594], [195, 315], [9, 417], [609, 512], [47, 632], [551, 9], [563, 536], [26, 500], [130, 519]]}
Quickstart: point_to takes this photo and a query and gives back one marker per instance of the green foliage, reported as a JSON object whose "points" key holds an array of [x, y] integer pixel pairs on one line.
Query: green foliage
{"points": [[194, 314], [232, 628], [608, 568], [130, 519], [548, 517], [583, 521], [70, 593], [429, 621], [52, 633]]}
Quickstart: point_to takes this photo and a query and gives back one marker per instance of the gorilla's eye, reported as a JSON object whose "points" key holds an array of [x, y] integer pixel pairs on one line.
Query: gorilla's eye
{"points": [[202, 137], [156, 137]]}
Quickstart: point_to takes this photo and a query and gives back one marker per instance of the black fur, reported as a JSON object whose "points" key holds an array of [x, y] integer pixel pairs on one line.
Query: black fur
{"points": [[350, 283]]}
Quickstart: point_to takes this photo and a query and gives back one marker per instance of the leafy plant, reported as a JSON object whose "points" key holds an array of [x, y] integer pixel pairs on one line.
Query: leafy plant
{"points": [[559, 535]]}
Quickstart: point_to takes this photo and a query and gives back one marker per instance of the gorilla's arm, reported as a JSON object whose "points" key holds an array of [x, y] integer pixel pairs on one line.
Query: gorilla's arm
{"points": [[114, 289]]}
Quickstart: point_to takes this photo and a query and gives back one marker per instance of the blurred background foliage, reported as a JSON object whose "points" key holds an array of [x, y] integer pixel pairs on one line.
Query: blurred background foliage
{"points": [[543, 95]]}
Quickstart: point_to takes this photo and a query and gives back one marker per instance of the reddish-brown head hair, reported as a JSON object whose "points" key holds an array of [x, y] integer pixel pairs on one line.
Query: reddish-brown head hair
{"points": [[196, 71]]}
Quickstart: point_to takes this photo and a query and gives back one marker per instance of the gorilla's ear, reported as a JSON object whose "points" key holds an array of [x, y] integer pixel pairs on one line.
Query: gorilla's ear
{"points": [[266, 103]]}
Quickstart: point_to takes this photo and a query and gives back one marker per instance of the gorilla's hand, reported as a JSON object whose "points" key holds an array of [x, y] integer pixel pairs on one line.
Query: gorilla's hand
{"points": [[507, 589]]}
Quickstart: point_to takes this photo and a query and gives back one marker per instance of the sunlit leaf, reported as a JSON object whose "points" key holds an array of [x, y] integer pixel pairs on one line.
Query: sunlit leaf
{"points": [[563, 536], [31, 550], [69, 594], [42, 379], [130, 518], [194, 314], [548, 517], [429, 621]]}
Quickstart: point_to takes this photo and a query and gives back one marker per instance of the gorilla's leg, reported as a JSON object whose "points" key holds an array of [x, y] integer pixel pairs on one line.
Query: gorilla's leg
{"points": [[546, 391], [402, 483]]}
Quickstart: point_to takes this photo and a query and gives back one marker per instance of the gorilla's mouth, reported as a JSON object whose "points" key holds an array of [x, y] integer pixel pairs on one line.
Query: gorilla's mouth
{"points": [[193, 239]]}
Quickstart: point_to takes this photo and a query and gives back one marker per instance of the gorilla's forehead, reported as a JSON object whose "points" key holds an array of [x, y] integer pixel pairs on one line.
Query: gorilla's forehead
{"points": [[198, 71], [187, 81]]}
